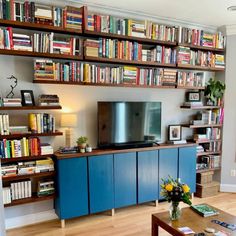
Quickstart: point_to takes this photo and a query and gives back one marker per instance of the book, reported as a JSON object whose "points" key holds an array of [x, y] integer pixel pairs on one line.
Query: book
{"points": [[204, 210], [186, 230]]}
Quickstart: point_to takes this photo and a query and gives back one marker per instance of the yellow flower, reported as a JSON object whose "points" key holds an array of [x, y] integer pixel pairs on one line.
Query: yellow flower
{"points": [[169, 187], [186, 188]]}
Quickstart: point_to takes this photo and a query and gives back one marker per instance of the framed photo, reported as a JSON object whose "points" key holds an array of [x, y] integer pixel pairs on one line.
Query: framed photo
{"points": [[27, 97], [174, 132], [193, 96]]}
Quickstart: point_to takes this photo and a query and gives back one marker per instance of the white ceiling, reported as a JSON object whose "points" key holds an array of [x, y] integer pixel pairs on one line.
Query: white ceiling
{"points": [[204, 12]]}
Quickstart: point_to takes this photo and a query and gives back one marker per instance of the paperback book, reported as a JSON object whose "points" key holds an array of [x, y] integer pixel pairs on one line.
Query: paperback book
{"points": [[204, 210]]}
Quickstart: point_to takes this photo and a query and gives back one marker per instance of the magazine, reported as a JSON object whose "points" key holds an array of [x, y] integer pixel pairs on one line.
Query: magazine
{"points": [[204, 210]]}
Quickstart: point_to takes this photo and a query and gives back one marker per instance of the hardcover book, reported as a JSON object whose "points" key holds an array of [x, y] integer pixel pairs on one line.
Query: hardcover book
{"points": [[204, 210]]}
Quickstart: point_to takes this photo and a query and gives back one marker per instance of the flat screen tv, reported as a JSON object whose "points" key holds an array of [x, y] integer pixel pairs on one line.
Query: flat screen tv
{"points": [[128, 124]]}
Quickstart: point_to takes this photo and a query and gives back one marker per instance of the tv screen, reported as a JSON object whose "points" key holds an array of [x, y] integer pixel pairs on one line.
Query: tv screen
{"points": [[128, 124]]}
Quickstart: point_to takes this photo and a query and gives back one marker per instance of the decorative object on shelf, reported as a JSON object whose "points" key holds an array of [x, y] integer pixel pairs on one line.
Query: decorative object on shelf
{"points": [[88, 149], [214, 92], [27, 97], [174, 132], [11, 93], [82, 142], [175, 192], [193, 96], [69, 121]]}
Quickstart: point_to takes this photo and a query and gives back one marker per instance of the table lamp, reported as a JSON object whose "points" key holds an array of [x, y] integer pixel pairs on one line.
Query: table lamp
{"points": [[69, 121]]}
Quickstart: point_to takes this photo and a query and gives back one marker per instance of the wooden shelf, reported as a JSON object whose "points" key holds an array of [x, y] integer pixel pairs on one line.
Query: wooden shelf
{"points": [[206, 170], [39, 54], [203, 48], [208, 141], [128, 62], [30, 200], [200, 107], [93, 34], [208, 153], [32, 108], [25, 158], [35, 175], [191, 67], [102, 84], [191, 87], [202, 126], [39, 27], [10, 136]]}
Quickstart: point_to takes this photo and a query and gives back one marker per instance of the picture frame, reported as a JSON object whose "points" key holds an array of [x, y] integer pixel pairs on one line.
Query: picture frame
{"points": [[193, 96], [174, 132], [27, 98]]}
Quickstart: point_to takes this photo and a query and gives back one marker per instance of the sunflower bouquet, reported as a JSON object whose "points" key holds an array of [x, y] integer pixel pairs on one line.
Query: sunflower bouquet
{"points": [[174, 191]]}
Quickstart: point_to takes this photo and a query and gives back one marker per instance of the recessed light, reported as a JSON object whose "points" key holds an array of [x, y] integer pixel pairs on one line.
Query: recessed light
{"points": [[231, 8]]}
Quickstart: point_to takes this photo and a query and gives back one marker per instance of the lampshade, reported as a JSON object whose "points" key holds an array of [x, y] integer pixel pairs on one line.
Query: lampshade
{"points": [[68, 120]]}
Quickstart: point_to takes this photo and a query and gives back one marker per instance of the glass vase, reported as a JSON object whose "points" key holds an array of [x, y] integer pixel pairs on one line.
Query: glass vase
{"points": [[175, 211]]}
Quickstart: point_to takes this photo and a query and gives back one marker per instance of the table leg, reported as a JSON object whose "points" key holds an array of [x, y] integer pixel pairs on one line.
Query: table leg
{"points": [[155, 228]]}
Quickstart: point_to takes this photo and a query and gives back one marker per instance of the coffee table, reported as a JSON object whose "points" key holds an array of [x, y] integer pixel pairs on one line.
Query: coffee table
{"points": [[192, 220]]}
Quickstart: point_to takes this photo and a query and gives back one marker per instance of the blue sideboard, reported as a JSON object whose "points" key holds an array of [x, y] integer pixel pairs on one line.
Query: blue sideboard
{"points": [[104, 180]]}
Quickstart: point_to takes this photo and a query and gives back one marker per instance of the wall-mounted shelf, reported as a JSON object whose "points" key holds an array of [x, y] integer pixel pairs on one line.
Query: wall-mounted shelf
{"points": [[208, 153], [202, 48], [31, 108], [202, 126], [10, 136], [208, 169], [200, 107], [191, 67], [25, 158]]}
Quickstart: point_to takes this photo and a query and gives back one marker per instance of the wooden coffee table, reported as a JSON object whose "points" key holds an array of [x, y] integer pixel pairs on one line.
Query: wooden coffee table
{"points": [[192, 220]]}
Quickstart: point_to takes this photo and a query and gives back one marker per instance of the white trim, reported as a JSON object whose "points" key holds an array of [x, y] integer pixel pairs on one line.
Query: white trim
{"points": [[230, 188], [30, 219], [231, 30], [106, 9]]}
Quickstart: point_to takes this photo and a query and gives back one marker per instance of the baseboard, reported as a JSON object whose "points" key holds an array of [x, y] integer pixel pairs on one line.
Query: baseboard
{"points": [[229, 188], [20, 221]]}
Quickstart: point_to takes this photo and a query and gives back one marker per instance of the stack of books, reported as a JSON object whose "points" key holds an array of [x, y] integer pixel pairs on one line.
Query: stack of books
{"points": [[137, 28], [18, 129], [20, 190], [45, 165], [8, 170], [20, 41], [130, 75], [169, 77], [48, 100], [11, 102], [91, 47], [73, 18], [184, 55], [191, 79], [46, 149], [45, 188], [219, 61], [43, 15], [66, 46], [4, 124], [26, 168], [44, 69]]}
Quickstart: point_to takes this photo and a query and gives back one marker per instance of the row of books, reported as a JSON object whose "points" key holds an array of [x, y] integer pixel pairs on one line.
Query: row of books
{"points": [[41, 122], [212, 146], [208, 134], [68, 17], [4, 124], [45, 188], [39, 42], [6, 195], [130, 27], [128, 50], [192, 79], [28, 167], [201, 38], [211, 116], [210, 161], [200, 58], [20, 190]]}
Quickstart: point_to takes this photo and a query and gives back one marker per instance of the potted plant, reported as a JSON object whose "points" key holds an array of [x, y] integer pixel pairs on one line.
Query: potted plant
{"points": [[214, 91], [82, 142]]}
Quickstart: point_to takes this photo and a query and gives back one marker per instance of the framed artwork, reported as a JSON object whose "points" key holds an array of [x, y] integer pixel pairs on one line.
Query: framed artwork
{"points": [[174, 132], [193, 96], [27, 98]]}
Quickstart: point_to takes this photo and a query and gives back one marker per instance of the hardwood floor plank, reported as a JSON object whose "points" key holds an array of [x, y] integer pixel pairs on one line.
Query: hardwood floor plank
{"points": [[129, 221]]}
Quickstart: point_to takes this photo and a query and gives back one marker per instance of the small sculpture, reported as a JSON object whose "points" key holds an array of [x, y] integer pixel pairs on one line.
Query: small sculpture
{"points": [[11, 93]]}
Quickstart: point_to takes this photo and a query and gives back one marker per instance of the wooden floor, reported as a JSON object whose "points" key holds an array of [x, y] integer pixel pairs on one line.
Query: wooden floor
{"points": [[132, 221]]}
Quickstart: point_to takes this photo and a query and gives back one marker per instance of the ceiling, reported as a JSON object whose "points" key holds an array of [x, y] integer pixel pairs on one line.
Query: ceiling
{"points": [[204, 12]]}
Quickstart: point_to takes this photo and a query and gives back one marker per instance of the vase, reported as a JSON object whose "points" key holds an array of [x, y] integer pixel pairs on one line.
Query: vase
{"points": [[175, 211]]}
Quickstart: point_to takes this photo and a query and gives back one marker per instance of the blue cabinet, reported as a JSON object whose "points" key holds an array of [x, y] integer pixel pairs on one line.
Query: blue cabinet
{"points": [[147, 176], [125, 179], [101, 187], [72, 188], [168, 164], [187, 166]]}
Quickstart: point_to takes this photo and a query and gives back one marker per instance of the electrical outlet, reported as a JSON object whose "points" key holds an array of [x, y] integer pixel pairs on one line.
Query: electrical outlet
{"points": [[233, 172]]}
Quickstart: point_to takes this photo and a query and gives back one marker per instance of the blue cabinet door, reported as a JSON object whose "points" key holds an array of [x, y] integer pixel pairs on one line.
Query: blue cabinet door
{"points": [[147, 176], [125, 179], [101, 184], [187, 166], [168, 165], [72, 188]]}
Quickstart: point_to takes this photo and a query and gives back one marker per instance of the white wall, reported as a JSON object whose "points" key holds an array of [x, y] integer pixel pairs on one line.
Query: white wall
{"points": [[228, 182]]}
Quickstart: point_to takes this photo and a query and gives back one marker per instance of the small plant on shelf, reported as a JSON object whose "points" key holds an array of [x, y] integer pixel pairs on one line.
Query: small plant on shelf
{"points": [[214, 92], [82, 142]]}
